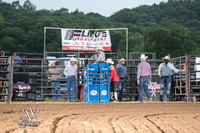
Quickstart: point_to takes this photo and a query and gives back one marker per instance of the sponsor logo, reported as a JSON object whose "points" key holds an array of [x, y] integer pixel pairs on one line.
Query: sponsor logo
{"points": [[93, 92], [23, 122], [104, 92], [91, 69]]}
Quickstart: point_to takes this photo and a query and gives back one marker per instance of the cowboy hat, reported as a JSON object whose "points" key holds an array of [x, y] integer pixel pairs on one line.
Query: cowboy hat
{"points": [[166, 58], [143, 57], [51, 63], [122, 59], [109, 61], [100, 48], [73, 59]]}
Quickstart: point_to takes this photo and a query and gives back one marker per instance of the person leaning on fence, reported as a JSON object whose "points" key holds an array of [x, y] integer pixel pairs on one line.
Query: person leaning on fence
{"points": [[98, 57], [71, 74], [122, 75], [54, 74], [165, 72], [143, 77], [16, 59], [113, 79]]}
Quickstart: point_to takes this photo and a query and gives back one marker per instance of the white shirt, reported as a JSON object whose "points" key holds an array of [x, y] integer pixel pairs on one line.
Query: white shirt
{"points": [[70, 70]]}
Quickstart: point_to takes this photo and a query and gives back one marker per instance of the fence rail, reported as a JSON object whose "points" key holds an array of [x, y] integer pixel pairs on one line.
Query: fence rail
{"points": [[33, 79], [6, 77]]}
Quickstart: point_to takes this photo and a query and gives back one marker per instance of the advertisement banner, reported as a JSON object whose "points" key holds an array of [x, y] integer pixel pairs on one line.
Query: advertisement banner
{"points": [[85, 40]]}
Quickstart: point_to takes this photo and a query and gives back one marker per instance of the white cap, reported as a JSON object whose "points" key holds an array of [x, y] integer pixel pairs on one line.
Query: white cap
{"points": [[73, 59], [109, 61], [143, 57], [100, 48], [166, 58], [51, 63], [122, 59]]}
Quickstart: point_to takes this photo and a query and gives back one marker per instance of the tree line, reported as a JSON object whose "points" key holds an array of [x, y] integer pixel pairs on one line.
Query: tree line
{"points": [[166, 28]]}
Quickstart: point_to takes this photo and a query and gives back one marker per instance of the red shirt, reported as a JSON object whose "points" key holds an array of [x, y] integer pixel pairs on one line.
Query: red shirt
{"points": [[113, 74]]}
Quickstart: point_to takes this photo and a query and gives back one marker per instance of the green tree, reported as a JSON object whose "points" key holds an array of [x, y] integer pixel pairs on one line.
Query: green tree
{"points": [[7, 43], [168, 38], [16, 4], [29, 6]]}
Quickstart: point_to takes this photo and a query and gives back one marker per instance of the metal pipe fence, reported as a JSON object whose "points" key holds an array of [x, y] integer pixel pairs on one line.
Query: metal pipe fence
{"points": [[6, 77], [29, 80]]}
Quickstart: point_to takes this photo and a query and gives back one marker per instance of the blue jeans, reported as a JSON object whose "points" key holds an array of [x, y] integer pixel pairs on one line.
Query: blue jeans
{"points": [[55, 84], [71, 82], [144, 81], [121, 88], [165, 82]]}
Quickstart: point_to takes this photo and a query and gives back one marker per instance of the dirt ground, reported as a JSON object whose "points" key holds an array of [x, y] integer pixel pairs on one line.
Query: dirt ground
{"points": [[104, 118]]}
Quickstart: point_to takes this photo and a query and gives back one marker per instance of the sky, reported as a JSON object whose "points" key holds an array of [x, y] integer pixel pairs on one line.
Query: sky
{"points": [[103, 7]]}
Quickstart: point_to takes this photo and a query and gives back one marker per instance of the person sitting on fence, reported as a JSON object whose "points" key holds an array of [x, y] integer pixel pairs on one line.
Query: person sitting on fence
{"points": [[17, 60], [54, 74], [122, 75], [99, 57], [165, 73], [143, 77], [113, 80], [71, 74]]}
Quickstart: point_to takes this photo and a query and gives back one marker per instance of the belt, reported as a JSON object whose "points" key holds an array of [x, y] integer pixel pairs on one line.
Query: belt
{"points": [[71, 76], [122, 77], [165, 76]]}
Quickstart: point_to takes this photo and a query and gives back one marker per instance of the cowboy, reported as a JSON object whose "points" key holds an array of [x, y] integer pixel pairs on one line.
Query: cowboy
{"points": [[122, 75], [54, 74], [71, 74], [143, 77], [165, 72], [17, 60], [99, 57], [113, 79]]}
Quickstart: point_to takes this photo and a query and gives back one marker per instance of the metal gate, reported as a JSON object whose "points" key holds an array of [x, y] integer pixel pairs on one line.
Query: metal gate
{"points": [[6, 77]]}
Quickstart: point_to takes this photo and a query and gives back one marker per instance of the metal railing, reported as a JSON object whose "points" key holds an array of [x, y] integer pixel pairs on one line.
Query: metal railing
{"points": [[32, 73], [194, 76], [6, 77]]}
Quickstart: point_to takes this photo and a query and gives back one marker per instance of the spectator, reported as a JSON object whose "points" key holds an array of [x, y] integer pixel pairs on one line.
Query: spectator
{"points": [[113, 79], [99, 57], [54, 76], [165, 72], [122, 75], [17, 60], [143, 77], [71, 73]]}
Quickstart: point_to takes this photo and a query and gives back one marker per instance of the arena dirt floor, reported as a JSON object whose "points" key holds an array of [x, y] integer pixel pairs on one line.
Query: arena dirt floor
{"points": [[104, 118]]}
